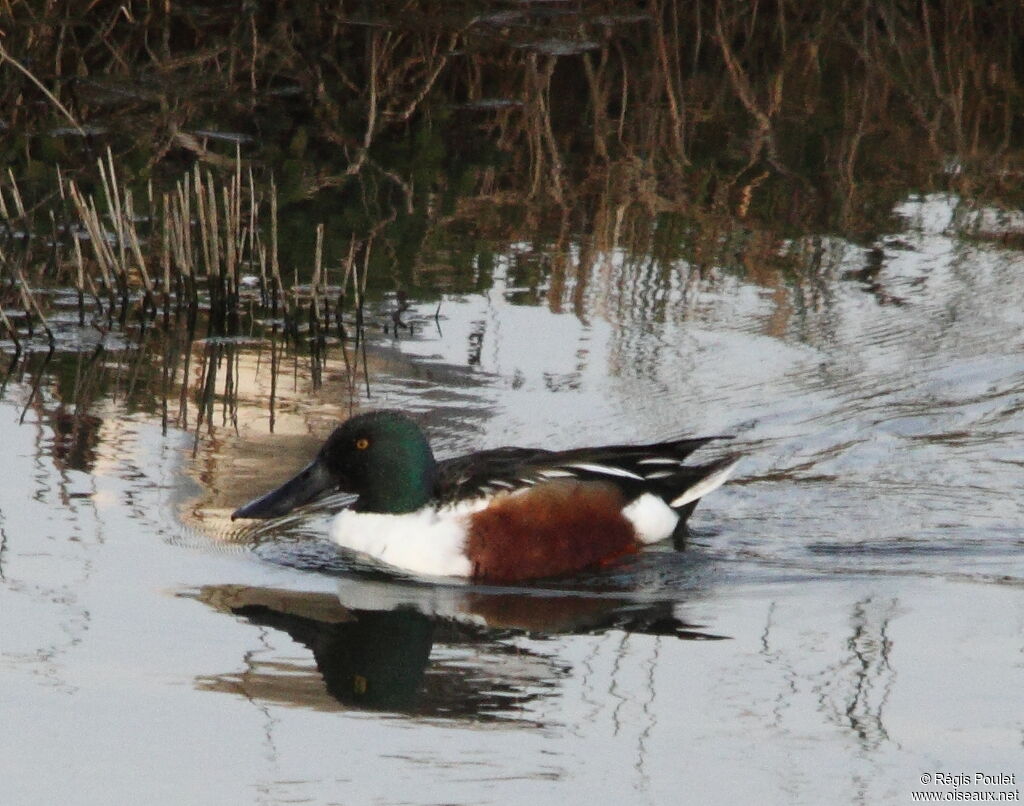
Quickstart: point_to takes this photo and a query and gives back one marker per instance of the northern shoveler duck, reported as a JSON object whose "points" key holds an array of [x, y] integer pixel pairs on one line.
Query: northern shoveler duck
{"points": [[499, 515]]}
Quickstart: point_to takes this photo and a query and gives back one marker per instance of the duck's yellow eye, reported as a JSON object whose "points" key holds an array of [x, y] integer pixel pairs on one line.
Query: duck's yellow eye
{"points": [[362, 444]]}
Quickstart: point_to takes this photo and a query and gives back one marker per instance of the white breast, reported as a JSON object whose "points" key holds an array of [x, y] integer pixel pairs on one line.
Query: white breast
{"points": [[428, 541]]}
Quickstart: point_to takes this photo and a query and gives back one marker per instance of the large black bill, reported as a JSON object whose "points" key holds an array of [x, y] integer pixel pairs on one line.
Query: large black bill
{"points": [[313, 480]]}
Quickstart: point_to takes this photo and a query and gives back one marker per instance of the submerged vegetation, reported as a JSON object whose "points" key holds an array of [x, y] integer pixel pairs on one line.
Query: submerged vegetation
{"points": [[265, 166]]}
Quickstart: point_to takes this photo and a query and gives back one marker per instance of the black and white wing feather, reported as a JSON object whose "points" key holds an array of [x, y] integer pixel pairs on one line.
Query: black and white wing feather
{"points": [[635, 469]]}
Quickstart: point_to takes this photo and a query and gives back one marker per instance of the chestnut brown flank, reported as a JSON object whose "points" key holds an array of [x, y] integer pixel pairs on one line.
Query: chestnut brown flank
{"points": [[553, 528]]}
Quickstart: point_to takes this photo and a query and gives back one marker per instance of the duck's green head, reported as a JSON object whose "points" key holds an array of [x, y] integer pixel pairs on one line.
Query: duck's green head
{"points": [[382, 456]]}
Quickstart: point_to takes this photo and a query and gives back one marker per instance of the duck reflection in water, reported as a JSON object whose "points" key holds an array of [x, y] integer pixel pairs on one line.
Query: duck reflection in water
{"points": [[373, 644]]}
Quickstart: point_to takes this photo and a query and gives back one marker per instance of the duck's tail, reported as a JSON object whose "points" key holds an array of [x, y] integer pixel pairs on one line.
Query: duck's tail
{"points": [[663, 508], [703, 479]]}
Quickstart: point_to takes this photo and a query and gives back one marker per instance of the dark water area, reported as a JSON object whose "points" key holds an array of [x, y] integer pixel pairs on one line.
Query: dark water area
{"points": [[557, 246]]}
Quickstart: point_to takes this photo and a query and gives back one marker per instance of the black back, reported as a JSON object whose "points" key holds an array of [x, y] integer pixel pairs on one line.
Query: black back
{"points": [[635, 469]]}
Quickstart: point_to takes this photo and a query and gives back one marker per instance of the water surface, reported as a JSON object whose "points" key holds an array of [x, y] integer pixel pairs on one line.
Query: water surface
{"points": [[848, 614]]}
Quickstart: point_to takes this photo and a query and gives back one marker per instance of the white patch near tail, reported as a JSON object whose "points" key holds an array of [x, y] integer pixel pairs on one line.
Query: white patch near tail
{"points": [[710, 482], [652, 518]]}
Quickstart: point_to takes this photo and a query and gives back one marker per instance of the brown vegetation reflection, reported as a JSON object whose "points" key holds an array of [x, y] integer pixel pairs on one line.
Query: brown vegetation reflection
{"points": [[808, 117], [254, 173], [765, 105]]}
